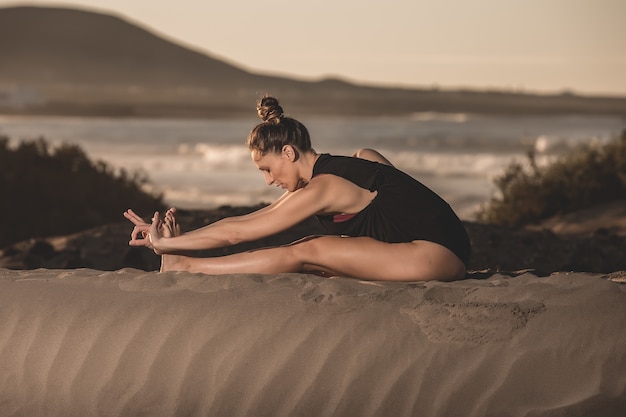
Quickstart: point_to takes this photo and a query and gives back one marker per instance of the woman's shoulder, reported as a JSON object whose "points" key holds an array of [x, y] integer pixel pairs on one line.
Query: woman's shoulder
{"points": [[363, 173], [340, 194], [327, 162]]}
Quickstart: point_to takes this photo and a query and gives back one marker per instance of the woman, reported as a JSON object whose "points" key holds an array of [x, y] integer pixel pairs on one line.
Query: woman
{"points": [[383, 224]]}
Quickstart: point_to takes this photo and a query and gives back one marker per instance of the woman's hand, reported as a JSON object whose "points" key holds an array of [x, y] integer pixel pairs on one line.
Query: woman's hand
{"points": [[145, 234], [141, 229], [155, 234]]}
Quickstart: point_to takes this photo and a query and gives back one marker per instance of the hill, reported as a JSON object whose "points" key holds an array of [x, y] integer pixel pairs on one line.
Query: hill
{"points": [[68, 61], [42, 45]]}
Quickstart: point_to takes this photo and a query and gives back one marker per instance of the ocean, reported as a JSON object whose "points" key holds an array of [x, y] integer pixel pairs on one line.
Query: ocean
{"points": [[205, 163]]}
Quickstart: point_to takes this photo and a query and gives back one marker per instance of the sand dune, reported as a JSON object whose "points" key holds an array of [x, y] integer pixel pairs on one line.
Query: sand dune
{"points": [[129, 343]]}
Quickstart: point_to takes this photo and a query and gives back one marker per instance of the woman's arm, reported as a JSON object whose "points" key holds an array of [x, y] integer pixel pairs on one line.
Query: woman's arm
{"points": [[139, 235], [289, 210]]}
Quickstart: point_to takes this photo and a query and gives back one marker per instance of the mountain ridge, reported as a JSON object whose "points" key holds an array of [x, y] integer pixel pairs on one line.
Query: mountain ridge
{"points": [[78, 61], [61, 37]]}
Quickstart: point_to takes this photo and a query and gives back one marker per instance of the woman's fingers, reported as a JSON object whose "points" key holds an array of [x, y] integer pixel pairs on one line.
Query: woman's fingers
{"points": [[133, 217], [141, 227], [139, 235], [136, 240], [146, 234], [156, 232], [140, 231]]}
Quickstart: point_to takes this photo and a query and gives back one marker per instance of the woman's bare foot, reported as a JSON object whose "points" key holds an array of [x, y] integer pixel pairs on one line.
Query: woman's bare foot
{"points": [[172, 263], [171, 228]]}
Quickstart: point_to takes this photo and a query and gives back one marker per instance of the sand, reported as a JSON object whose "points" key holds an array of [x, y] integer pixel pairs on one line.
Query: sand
{"points": [[132, 343]]}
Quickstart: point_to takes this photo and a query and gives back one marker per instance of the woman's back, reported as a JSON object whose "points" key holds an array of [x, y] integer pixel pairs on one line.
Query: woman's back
{"points": [[402, 211]]}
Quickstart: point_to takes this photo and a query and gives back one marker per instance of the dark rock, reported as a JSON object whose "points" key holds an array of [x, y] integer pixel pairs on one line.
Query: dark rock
{"points": [[41, 248]]}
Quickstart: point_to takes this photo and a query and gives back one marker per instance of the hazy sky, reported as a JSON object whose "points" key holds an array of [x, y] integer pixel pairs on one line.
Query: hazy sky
{"points": [[536, 45]]}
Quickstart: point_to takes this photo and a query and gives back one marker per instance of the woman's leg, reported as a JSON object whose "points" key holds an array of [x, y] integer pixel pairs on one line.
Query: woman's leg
{"points": [[367, 258], [263, 261], [360, 257]]}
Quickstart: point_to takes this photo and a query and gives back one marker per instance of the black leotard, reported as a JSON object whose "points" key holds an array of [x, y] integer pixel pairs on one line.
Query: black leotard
{"points": [[403, 210]]}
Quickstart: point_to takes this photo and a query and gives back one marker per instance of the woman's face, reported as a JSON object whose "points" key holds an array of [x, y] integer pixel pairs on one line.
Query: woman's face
{"points": [[278, 168]]}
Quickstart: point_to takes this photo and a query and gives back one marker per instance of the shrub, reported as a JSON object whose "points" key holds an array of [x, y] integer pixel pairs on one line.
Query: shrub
{"points": [[583, 178], [46, 192]]}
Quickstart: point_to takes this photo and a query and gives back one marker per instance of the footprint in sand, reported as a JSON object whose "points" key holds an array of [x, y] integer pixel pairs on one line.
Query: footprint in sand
{"points": [[447, 316]]}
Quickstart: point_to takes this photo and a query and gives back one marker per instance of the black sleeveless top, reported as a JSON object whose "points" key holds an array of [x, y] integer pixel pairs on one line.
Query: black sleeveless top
{"points": [[403, 210]]}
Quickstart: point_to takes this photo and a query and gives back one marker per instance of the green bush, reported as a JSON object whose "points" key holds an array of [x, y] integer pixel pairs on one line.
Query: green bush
{"points": [[583, 178], [46, 192]]}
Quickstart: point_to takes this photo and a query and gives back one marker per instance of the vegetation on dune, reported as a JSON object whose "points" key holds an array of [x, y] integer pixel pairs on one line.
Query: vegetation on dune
{"points": [[583, 178], [47, 192]]}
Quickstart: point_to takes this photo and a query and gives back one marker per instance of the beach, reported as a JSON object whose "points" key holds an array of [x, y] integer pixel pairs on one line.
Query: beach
{"points": [[88, 327], [101, 113], [83, 342]]}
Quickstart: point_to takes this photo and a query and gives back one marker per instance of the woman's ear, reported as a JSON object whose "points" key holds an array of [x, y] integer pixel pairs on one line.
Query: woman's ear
{"points": [[290, 153]]}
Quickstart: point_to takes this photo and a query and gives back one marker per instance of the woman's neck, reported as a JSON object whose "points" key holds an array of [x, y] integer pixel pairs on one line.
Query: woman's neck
{"points": [[308, 161]]}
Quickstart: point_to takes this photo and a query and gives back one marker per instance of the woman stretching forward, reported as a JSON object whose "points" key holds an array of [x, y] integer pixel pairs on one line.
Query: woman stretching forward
{"points": [[382, 223]]}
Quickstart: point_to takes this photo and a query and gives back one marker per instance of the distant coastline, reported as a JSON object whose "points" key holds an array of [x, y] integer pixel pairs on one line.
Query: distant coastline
{"points": [[61, 61], [83, 102]]}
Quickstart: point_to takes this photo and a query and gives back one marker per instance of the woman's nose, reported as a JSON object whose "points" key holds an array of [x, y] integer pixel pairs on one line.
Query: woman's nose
{"points": [[268, 178]]}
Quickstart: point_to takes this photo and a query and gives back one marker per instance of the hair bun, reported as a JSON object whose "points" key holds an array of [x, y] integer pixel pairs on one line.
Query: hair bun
{"points": [[269, 110]]}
